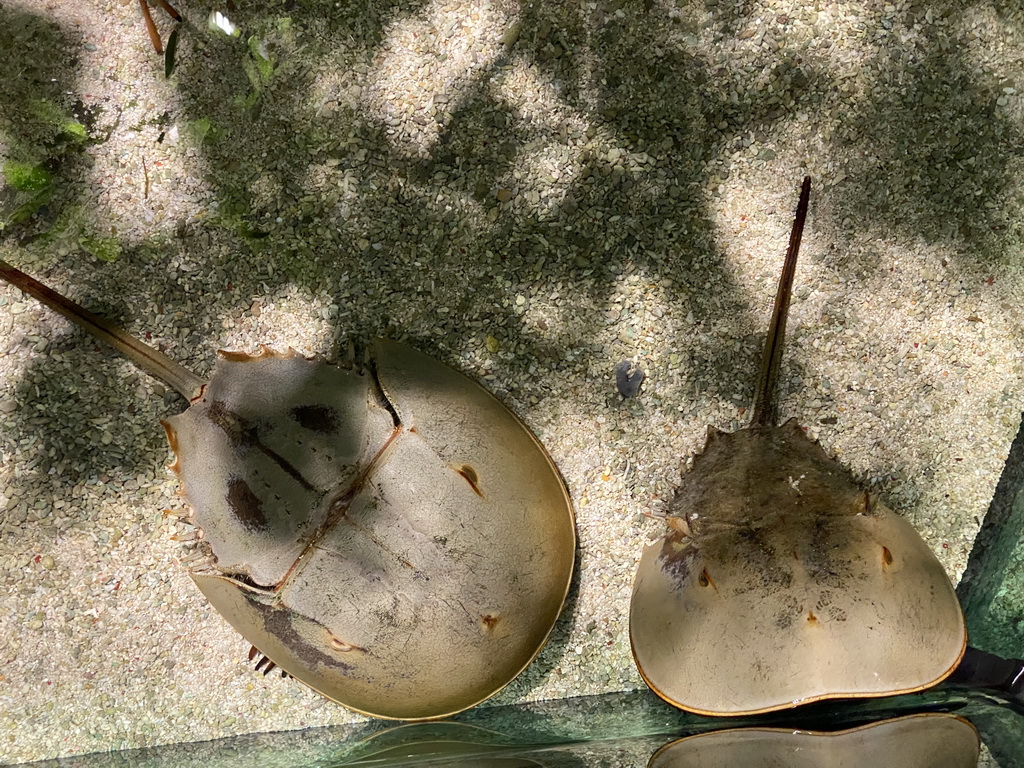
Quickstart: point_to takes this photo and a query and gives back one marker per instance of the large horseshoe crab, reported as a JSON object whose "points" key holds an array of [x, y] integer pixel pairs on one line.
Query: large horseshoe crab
{"points": [[780, 580], [393, 537]]}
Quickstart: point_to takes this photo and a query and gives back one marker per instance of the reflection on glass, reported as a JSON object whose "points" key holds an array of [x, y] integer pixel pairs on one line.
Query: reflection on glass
{"points": [[932, 740]]}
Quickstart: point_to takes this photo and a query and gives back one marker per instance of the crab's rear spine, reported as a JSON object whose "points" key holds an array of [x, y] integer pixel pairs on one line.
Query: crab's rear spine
{"points": [[764, 397]]}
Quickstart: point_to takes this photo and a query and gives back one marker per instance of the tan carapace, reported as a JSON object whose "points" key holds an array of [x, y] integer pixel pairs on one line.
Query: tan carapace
{"points": [[932, 740], [392, 536], [780, 580]]}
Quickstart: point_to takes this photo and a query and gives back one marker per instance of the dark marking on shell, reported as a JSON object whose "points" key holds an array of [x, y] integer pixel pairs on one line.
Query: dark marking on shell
{"points": [[787, 615], [706, 580], [245, 505], [316, 418], [489, 620], [677, 557], [245, 437], [836, 613], [767, 572], [471, 477], [280, 624], [824, 567]]}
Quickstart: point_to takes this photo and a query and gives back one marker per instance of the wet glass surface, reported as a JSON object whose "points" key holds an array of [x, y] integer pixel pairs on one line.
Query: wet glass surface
{"points": [[627, 730]]}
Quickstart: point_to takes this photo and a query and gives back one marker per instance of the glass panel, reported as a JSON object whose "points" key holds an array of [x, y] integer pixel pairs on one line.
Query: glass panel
{"points": [[616, 731], [992, 589]]}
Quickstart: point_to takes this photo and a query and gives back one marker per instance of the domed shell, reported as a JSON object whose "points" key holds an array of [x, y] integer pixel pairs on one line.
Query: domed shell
{"points": [[781, 583], [396, 539]]}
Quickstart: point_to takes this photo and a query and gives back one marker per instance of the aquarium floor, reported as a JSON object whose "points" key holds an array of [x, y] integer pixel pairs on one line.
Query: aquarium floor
{"points": [[530, 192]]}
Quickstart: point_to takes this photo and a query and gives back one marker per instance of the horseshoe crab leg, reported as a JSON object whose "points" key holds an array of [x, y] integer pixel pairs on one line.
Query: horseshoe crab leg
{"points": [[150, 359], [764, 400]]}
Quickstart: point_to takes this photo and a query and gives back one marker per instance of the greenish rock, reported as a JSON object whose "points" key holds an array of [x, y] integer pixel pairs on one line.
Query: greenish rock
{"points": [[27, 177], [75, 132], [104, 248], [57, 129], [17, 206], [27, 187], [260, 66], [202, 130]]}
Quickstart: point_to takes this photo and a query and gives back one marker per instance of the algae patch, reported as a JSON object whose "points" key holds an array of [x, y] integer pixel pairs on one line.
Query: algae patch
{"points": [[29, 166], [27, 177]]}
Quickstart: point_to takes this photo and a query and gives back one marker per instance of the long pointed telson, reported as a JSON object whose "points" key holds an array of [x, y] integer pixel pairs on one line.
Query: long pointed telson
{"points": [[764, 399], [148, 358]]}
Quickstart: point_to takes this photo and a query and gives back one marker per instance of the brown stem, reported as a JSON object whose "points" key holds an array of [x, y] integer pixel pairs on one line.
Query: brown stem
{"points": [[764, 399], [154, 36], [151, 360], [170, 9]]}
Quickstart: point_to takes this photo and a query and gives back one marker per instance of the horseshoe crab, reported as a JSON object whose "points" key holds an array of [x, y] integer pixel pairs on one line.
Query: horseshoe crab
{"points": [[393, 537], [780, 580]]}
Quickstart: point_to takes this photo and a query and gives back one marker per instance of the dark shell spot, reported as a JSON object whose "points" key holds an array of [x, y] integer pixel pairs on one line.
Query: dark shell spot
{"points": [[490, 620], [245, 505], [783, 620], [705, 579], [791, 608], [836, 614], [886, 557], [677, 557], [316, 418], [811, 618], [244, 436], [471, 477], [279, 623]]}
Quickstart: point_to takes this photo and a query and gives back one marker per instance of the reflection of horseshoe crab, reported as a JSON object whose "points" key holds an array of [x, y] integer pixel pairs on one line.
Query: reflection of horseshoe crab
{"points": [[932, 740], [457, 742]]}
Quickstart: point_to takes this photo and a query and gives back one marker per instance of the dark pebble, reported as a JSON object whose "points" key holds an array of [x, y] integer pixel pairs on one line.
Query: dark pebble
{"points": [[628, 378]]}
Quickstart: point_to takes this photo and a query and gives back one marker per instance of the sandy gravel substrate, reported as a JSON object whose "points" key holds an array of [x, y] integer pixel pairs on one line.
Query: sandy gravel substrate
{"points": [[531, 192]]}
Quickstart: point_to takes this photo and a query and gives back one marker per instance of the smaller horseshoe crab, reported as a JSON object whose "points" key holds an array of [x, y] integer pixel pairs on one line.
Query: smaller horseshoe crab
{"points": [[781, 581], [394, 537]]}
